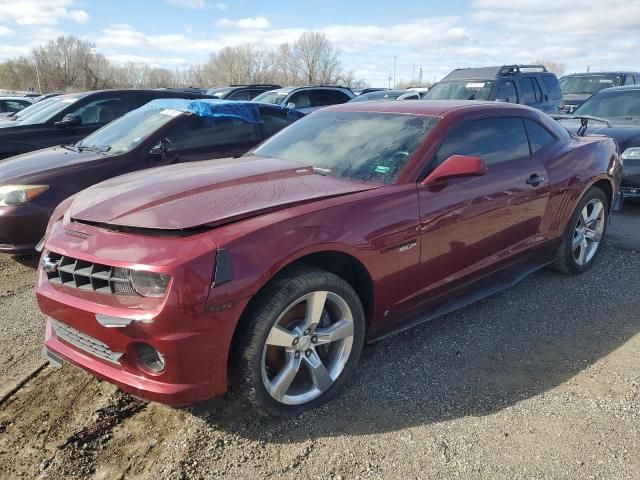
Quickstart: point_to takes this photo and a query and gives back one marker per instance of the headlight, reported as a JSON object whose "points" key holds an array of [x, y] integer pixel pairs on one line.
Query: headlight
{"points": [[13, 195], [632, 153], [149, 284]]}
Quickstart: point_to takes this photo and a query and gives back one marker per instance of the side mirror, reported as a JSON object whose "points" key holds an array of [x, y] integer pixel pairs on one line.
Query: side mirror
{"points": [[291, 105], [70, 120], [159, 150], [457, 166], [502, 100]]}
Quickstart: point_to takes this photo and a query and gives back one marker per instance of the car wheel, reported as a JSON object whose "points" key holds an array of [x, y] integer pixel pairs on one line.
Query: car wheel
{"points": [[302, 342], [583, 238]]}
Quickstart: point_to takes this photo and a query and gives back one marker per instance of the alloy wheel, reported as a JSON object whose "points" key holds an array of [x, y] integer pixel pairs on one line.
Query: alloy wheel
{"points": [[307, 348], [588, 231]]}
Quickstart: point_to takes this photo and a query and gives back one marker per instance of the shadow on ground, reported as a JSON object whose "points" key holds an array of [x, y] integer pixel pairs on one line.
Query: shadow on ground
{"points": [[479, 360]]}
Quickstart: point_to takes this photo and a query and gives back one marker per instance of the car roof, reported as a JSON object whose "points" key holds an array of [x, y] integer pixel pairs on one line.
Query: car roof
{"points": [[622, 87], [437, 108], [612, 72], [15, 97]]}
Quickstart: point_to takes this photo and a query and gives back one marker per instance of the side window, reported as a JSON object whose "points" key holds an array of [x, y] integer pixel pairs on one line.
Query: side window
{"points": [[103, 110], [629, 80], [240, 95], [553, 86], [141, 99], [528, 94], [536, 88], [539, 137], [301, 99], [274, 121], [321, 98], [495, 140], [200, 132], [254, 93], [507, 89]]}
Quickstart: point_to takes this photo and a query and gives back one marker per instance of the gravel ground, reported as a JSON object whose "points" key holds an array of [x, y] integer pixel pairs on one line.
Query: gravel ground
{"points": [[539, 381]]}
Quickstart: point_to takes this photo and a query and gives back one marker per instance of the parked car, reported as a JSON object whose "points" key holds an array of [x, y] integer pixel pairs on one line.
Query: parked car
{"points": [[10, 105], [65, 119], [577, 87], [308, 98], [360, 91], [240, 92], [379, 95], [357, 221], [44, 96], [162, 132], [620, 107], [413, 94], [530, 85]]}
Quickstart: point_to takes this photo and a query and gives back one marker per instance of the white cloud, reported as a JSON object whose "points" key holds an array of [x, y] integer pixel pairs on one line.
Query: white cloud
{"points": [[6, 31], [258, 23], [40, 12], [223, 7], [194, 4]]}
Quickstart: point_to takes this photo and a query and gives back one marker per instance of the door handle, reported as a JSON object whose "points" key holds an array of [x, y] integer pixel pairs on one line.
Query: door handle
{"points": [[534, 180]]}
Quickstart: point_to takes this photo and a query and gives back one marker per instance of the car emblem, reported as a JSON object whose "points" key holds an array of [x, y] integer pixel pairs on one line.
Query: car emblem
{"points": [[48, 265]]}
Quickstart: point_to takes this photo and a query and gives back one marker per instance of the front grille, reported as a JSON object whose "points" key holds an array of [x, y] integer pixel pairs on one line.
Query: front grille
{"points": [[85, 342], [76, 273]]}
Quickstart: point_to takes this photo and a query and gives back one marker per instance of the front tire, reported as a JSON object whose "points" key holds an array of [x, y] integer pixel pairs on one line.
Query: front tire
{"points": [[583, 237], [302, 342]]}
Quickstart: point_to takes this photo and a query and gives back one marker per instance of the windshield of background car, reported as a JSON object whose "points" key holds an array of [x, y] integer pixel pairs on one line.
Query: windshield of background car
{"points": [[366, 146], [30, 109], [127, 132], [275, 98], [219, 92], [588, 84], [50, 110], [615, 104], [384, 95], [460, 90]]}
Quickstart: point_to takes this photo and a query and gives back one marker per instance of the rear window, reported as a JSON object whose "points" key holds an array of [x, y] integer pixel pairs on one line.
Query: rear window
{"points": [[553, 86]]}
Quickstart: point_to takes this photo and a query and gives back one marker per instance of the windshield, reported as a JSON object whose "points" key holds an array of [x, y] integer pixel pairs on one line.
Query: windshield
{"points": [[373, 147], [460, 90], [30, 109], [615, 104], [54, 106], [127, 132], [273, 97], [384, 95], [219, 92], [588, 84]]}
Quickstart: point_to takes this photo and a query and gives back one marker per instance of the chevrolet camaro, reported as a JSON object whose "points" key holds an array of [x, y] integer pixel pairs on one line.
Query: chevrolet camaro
{"points": [[271, 271]]}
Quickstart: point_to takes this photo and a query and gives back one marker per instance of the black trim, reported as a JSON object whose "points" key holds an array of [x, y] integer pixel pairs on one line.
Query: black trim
{"points": [[224, 267]]}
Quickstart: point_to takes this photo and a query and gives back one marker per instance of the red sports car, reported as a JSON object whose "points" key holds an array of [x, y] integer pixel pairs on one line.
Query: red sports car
{"points": [[271, 271]]}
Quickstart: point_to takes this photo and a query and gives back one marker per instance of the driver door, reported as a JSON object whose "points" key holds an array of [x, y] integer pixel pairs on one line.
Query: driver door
{"points": [[473, 226], [200, 138]]}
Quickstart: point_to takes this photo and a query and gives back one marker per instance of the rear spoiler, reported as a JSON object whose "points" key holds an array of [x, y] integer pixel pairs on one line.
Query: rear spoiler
{"points": [[584, 121]]}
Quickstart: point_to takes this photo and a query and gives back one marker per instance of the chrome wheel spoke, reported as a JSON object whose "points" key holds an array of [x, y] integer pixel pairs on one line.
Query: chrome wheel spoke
{"points": [[595, 213], [337, 331], [593, 235], [577, 240], [319, 373], [280, 337], [584, 217], [281, 383], [315, 307]]}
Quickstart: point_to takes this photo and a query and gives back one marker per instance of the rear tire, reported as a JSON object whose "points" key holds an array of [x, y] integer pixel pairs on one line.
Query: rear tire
{"points": [[583, 237], [301, 343]]}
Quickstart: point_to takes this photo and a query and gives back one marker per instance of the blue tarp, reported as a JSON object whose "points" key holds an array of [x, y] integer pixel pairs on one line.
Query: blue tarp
{"points": [[247, 111]]}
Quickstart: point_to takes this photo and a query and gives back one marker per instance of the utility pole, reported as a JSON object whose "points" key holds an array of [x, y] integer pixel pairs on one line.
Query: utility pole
{"points": [[389, 80], [394, 71], [38, 76], [420, 77]]}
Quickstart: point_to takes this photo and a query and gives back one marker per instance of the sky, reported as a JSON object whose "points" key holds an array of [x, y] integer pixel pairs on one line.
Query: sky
{"points": [[436, 36]]}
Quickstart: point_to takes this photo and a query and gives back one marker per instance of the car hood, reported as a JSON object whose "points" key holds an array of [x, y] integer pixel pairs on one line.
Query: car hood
{"points": [[35, 166], [209, 193], [627, 134]]}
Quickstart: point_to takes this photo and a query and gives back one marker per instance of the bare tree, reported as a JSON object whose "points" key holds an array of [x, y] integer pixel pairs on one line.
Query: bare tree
{"points": [[316, 58], [555, 67]]}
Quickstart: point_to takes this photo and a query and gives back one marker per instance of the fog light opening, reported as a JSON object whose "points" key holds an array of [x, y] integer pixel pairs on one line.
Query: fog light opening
{"points": [[150, 357]]}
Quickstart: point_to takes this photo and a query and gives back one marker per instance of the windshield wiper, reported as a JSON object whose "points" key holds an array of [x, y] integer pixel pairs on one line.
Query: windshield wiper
{"points": [[70, 147], [90, 148]]}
